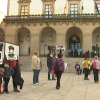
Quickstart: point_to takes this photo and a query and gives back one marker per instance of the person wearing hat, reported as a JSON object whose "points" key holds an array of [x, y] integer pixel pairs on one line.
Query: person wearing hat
{"points": [[13, 59], [36, 67]]}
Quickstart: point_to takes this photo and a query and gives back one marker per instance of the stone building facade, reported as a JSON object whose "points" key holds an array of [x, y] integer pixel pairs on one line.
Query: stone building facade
{"points": [[44, 28]]}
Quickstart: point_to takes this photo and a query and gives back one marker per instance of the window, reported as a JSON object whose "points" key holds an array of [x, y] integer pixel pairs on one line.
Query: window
{"points": [[48, 11], [98, 5], [74, 10], [24, 11], [74, 42]]}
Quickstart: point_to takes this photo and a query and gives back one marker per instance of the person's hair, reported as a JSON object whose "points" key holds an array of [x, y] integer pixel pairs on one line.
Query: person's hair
{"points": [[86, 58], [96, 57], [60, 55], [7, 62], [2, 70], [11, 47], [36, 52]]}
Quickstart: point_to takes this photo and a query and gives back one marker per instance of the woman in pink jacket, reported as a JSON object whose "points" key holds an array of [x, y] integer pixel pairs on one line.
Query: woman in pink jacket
{"points": [[96, 66]]}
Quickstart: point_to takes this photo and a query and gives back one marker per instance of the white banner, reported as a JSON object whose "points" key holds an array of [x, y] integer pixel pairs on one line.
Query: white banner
{"points": [[62, 48]]}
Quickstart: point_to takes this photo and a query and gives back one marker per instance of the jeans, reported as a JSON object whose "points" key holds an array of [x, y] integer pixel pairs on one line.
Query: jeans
{"points": [[58, 75], [35, 76], [6, 84], [49, 71], [86, 72], [96, 77]]}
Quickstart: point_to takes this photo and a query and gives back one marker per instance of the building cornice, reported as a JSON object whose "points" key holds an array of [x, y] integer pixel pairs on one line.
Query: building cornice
{"points": [[48, 0], [24, 1]]}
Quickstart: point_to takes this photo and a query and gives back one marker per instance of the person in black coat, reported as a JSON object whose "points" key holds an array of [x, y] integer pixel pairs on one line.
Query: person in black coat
{"points": [[49, 65]]}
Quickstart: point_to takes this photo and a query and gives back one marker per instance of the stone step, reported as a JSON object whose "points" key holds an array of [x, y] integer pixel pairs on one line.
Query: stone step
{"points": [[25, 63]]}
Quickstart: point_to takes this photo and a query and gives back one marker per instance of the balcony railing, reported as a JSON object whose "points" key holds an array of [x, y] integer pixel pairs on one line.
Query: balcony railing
{"points": [[53, 17]]}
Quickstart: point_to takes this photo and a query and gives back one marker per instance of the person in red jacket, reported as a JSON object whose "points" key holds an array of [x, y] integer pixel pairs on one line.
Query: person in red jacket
{"points": [[13, 59]]}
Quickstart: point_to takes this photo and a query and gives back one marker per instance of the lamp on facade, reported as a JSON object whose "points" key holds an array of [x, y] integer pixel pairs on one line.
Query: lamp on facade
{"points": [[28, 38], [97, 38], [50, 38]]}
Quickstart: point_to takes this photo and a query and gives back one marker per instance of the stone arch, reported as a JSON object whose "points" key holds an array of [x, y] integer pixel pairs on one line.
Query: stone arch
{"points": [[47, 41], [2, 35], [96, 41], [23, 39], [73, 32]]}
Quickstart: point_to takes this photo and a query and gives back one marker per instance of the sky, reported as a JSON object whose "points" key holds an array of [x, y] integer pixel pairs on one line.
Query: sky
{"points": [[3, 6]]}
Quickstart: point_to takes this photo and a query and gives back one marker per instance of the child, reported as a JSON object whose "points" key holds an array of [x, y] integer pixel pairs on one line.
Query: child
{"points": [[9, 71], [1, 75], [77, 68]]}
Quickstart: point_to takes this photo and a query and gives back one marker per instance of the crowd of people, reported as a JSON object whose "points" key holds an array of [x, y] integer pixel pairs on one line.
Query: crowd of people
{"points": [[89, 67], [10, 67], [79, 54], [55, 64]]}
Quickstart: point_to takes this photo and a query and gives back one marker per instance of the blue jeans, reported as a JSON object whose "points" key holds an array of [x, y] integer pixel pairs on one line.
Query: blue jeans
{"points": [[49, 71], [35, 76]]}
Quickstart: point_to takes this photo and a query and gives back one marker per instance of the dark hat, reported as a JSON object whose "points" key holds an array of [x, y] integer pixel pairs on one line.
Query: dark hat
{"points": [[11, 47]]}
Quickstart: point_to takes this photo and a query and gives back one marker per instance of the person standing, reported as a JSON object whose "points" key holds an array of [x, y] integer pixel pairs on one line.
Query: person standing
{"points": [[9, 71], [86, 64], [50, 65], [96, 66], [59, 62], [35, 65], [14, 60]]}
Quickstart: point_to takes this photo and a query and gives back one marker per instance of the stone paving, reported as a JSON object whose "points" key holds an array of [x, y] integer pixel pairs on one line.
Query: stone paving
{"points": [[73, 87]]}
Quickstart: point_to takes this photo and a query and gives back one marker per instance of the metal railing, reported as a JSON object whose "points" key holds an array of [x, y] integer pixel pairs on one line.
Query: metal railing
{"points": [[54, 17]]}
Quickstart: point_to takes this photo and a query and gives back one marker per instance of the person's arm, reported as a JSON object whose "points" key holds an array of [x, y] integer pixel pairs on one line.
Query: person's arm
{"points": [[35, 61], [4, 59]]}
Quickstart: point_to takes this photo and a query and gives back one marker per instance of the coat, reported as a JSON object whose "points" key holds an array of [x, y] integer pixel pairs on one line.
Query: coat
{"points": [[9, 71], [17, 79], [35, 64], [1, 76], [49, 62]]}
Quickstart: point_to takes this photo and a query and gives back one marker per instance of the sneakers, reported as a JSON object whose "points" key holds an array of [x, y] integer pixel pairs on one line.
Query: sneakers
{"points": [[16, 90], [54, 79]]}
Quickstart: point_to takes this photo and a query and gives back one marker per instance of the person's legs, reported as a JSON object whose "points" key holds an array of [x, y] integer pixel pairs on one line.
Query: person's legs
{"points": [[37, 76], [49, 71], [0, 88], [34, 76], [86, 73], [14, 84], [6, 84], [96, 75], [58, 74], [94, 72]]}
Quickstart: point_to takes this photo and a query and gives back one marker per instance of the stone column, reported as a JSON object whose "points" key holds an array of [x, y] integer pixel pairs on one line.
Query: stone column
{"points": [[8, 6], [35, 43], [10, 39], [60, 40], [87, 42]]}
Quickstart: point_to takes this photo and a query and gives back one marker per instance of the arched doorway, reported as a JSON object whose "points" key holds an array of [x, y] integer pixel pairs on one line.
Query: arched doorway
{"points": [[2, 35], [74, 39], [47, 41], [96, 41], [74, 42], [23, 37]]}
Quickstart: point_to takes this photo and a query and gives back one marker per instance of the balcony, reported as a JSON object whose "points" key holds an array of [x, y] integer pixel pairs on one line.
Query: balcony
{"points": [[54, 18]]}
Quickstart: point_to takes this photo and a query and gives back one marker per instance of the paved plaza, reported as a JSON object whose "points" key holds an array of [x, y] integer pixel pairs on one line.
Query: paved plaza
{"points": [[73, 87]]}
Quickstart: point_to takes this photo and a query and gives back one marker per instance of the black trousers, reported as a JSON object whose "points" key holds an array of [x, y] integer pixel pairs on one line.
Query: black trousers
{"points": [[14, 84], [6, 83], [96, 77], [58, 75], [86, 72]]}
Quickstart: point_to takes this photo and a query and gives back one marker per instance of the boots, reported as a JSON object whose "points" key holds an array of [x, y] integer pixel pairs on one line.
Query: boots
{"points": [[86, 78], [16, 90]]}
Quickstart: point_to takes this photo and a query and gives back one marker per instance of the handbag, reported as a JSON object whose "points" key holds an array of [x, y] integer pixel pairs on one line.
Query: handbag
{"points": [[52, 71]]}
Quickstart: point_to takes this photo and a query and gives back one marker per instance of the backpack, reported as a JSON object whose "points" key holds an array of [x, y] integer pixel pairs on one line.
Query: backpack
{"points": [[94, 64], [56, 67]]}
